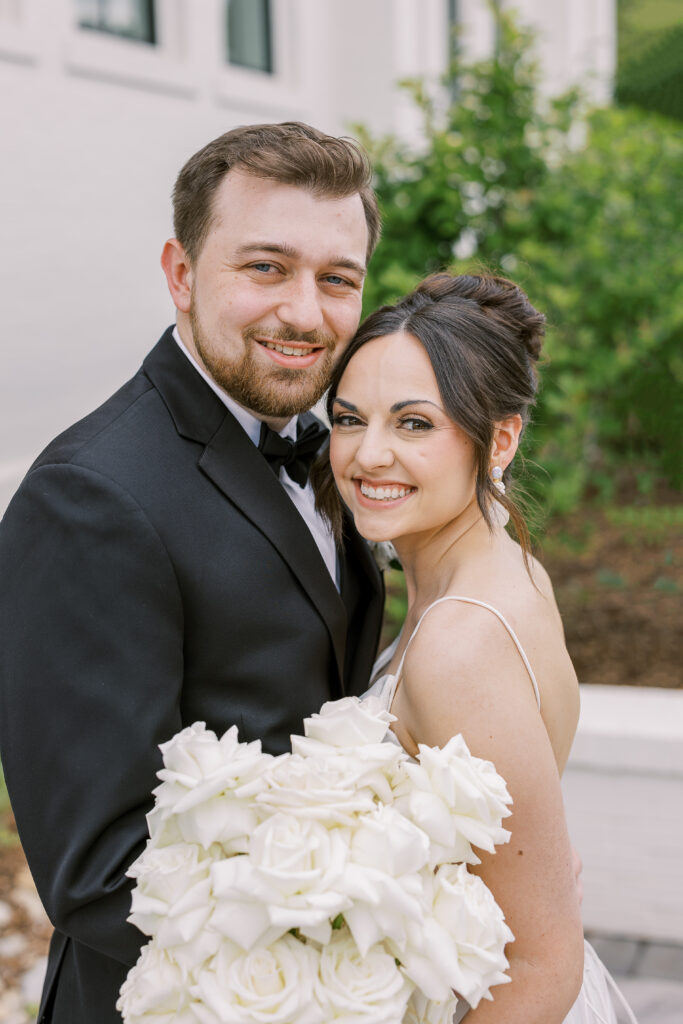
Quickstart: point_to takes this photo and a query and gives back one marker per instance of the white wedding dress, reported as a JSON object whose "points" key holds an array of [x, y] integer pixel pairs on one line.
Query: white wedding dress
{"points": [[599, 1001]]}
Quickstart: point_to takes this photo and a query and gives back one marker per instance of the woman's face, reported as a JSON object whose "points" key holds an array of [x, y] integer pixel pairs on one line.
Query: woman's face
{"points": [[401, 465]]}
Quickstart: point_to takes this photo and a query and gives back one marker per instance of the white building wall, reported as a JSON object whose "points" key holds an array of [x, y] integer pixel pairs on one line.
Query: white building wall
{"points": [[93, 131], [623, 792]]}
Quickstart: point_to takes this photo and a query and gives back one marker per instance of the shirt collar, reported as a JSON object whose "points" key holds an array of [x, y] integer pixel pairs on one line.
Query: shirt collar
{"points": [[250, 424]]}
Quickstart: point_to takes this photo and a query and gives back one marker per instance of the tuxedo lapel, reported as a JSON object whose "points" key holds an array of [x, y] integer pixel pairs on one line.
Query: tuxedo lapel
{"points": [[362, 588], [232, 462]]}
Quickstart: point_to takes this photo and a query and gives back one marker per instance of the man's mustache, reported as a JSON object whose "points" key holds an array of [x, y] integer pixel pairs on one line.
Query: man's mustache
{"points": [[318, 339]]}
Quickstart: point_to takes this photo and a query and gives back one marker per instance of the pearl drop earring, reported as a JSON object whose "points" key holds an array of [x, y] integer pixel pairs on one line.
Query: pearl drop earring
{"points": [[499, 514], [497, 477]]}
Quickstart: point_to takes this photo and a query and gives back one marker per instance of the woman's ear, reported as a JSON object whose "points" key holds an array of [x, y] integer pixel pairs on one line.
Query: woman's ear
{"points": [[506, 440]]}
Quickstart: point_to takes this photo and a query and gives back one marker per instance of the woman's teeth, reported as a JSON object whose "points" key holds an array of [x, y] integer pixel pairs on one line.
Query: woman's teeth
{"points": [[384, 493]]}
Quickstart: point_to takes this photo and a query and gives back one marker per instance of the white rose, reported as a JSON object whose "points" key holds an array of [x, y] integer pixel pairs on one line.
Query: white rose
{"points": [[371, 766], [207, 788], [172, 897], [325, 789], [387, 840], [385, 878], [269, 985], [428, 1011], [349, 722], [360, 989], [457, 799], [465, 907], [156, 991], [461, 943], [290, 879]]}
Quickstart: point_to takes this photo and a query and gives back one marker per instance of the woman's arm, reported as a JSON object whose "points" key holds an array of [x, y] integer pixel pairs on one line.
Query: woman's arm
{"points": [[480, 688]]}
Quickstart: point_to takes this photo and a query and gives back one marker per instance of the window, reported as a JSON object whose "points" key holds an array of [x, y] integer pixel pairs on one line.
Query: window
{"points": [[249, 34], [132, 19]]}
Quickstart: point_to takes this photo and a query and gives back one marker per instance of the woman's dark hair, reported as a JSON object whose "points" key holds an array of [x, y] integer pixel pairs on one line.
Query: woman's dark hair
{"points": [[483, 338]]}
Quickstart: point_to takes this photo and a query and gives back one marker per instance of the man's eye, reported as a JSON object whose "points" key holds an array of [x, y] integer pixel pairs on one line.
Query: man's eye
{"points": [[415, 423], [336, 280], [264, 267]]}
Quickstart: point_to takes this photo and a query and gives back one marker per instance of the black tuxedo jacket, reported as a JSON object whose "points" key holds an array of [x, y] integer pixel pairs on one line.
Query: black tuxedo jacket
{"points": [[153, 573]]}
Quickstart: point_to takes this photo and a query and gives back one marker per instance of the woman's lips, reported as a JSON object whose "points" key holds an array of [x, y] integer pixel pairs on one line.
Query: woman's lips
{"points": [[382, 493]]}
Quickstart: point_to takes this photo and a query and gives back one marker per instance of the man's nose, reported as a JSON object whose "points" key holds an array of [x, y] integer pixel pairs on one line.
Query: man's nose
{"points": [[300, 306]]}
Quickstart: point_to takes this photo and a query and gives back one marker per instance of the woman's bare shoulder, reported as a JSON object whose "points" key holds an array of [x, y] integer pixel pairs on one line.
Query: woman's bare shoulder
{"points": [[466, 641]]}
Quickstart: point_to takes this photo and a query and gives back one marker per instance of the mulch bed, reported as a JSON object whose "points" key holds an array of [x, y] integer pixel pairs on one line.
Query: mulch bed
{"points": [[15, 878], [618, 579], [619, 583]]}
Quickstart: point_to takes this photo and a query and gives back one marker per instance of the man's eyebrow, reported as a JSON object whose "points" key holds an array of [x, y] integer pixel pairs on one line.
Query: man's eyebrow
{"points": [[344, 261], [283, 249]]}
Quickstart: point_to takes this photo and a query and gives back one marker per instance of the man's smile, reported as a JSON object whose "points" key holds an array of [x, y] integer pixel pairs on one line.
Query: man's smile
{"points": [[290, 353]]}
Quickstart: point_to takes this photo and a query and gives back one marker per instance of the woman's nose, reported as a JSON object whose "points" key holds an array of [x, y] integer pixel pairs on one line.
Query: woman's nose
{"points": [[375, 450]]}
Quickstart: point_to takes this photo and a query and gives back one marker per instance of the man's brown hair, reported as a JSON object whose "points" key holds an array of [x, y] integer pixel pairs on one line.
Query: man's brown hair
{"points": [[292, 153]]}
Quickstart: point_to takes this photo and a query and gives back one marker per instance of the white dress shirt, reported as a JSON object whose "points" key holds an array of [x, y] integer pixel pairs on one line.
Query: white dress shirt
{"points": [[303, 498]]}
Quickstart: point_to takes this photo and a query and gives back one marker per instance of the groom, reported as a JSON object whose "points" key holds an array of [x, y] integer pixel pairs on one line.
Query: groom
{"points": [[157, 568]]}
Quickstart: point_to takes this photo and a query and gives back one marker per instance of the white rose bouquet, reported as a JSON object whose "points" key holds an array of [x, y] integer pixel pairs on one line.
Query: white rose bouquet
{"points": [[327, 884]]}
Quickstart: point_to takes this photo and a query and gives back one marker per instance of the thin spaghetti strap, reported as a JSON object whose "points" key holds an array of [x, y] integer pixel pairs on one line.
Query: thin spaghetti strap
{"points": [[499, 615]]}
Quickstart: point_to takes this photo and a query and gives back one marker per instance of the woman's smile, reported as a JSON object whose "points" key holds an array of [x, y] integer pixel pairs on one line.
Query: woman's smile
{"points": [[386, 493]]}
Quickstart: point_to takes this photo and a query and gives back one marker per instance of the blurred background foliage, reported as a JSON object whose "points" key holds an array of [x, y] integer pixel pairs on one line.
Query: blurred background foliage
{"points": [[583, 209], [650, 55]]}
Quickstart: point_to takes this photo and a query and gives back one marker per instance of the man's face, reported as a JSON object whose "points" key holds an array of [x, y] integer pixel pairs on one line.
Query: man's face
{"points": [[276, 292]]}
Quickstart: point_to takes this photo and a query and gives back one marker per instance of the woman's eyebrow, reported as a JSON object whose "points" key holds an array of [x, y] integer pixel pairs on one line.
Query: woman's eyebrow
{"points": [[413, 401], [395, 408]]}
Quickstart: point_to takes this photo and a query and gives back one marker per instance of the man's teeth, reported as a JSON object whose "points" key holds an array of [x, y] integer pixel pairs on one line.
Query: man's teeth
{"points": [[384, 493], [287, 350]]}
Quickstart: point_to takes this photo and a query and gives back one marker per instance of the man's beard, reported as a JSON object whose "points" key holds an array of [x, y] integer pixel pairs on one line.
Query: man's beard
{"points": [[276, 391]]}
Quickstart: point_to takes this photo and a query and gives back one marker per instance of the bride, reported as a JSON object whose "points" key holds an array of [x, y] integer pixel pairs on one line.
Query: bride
{"points": [[427, 407]]}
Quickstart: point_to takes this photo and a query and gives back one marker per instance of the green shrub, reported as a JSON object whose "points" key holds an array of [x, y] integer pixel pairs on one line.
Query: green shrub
{"points": [[583, 209], [650, 55]]}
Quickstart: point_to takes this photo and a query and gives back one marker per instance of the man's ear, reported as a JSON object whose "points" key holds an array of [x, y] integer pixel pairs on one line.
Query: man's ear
{"points": [[179, 275], [505, 440]]}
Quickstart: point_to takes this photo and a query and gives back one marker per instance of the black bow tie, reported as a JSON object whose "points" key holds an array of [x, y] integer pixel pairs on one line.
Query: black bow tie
{"points": [[296, 456]]}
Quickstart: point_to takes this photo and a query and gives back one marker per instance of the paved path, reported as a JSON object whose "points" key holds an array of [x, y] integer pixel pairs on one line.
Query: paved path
{"points": [[650, 975], [653, 1000]]}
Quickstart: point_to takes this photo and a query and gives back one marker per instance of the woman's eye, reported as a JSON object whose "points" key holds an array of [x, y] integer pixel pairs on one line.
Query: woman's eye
{"points": [[345, 419], [415, 423]]}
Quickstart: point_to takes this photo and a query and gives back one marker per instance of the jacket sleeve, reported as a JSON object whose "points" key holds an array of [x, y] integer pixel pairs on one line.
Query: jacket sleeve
{"points": [[91, 669]]}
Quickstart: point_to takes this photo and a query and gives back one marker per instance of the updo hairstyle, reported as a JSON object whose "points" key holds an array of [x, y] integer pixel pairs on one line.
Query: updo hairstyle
{"points": [[483, 338]]}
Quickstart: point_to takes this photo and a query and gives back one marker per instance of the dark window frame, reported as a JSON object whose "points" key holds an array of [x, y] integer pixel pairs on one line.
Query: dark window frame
{"points": [[267, 65], [101, 24]]}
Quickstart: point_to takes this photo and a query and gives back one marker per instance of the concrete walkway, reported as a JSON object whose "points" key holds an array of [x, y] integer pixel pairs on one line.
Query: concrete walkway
{"points": [[649, 974]]}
